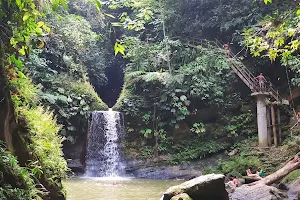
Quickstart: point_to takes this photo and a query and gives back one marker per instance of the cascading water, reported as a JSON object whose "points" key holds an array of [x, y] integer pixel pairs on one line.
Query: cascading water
{"points": [[103, 150]]}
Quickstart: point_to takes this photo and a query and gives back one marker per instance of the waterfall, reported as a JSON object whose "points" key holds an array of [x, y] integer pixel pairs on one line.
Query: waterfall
{"points": [[103, 144]]}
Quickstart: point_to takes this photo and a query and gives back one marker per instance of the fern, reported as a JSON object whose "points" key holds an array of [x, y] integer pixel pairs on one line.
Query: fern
{"points": [[134, 74], [151, 76]]}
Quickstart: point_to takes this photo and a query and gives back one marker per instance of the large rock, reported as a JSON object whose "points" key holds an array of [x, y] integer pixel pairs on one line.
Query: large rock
{"points": [[294, 190], [202, 188], [183, 196], [256, 192], [158, 169]]}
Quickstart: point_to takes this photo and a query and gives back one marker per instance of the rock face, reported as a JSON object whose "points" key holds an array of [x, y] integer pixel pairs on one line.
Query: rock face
{"points": [[206, 187], [157, 169], [76, 166], [256, 192]]}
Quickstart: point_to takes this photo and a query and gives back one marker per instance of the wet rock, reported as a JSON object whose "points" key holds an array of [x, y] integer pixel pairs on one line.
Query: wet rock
{"points": [[75, 165], [183, 196], [166, 172], [294, 190], [229, 188], [206, 187], [256, 192], [158, 169]]}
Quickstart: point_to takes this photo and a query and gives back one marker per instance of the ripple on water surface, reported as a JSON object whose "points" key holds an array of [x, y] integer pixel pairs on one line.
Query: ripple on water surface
{"points": [[117, 188]]}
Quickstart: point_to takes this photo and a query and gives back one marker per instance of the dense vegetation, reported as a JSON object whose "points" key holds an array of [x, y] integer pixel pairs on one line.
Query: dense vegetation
{"points": [[16, 182], [180, 97], [175, 78]]}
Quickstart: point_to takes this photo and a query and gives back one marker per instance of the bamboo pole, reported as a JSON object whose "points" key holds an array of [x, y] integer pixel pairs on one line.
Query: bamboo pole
{"points": [[269, 126], [274, 125], [279, 125]]}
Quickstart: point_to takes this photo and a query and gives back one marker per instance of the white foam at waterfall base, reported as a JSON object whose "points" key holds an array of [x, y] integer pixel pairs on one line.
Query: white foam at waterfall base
{"points": [[103, 156]]}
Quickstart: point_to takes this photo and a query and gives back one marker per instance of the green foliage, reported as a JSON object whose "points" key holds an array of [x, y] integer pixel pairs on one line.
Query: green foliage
{"points": [[276, 36], [194, 149], [198, 128], [146, 152], [21, 24], [80, 53], [119, 48], [45, 145], [144, 12], [236, 166], [20, 28], [268, 1], [156, 101], [16, 182], [295, 175], [73, 101], [240, 125], [74, 98]]}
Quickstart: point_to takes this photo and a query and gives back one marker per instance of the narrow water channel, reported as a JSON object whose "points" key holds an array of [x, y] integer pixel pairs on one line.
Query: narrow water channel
{"points": [[124, 189]]}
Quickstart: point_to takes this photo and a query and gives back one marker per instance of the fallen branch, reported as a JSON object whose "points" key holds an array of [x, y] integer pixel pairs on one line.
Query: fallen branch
{"points": [[290, 166]]}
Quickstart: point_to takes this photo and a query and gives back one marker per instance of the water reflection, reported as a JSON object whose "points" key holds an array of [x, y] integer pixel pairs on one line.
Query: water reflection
{"points": [[117, 189]]}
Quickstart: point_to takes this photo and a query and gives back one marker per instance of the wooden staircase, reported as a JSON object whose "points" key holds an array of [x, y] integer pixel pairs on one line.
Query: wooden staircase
{"points": [[266, 114], [250, 80], [243, 72]]}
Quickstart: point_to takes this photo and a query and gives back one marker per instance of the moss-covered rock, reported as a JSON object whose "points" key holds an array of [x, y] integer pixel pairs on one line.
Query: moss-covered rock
{"points": [[182, 196]]}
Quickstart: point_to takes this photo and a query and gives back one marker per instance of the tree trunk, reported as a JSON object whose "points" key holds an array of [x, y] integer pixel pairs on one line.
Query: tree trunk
{"points": [[290, 166]]}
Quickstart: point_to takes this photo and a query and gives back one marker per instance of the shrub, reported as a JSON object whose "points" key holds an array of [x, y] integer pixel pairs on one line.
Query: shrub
{"points": [[15, 182], [188, 150], [236, 166]]}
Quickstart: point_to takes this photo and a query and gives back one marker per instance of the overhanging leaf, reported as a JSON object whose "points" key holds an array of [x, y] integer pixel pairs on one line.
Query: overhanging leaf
{"points": [[109, 15], [26, 16]]}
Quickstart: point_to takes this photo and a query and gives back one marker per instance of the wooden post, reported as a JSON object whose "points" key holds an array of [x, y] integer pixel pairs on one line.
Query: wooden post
{"points": [[274, 125], [269, 126], [279, 125]]}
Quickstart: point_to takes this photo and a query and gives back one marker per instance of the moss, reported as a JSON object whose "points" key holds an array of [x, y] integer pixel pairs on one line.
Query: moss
{"points": [[86, 88], [291, 177]]}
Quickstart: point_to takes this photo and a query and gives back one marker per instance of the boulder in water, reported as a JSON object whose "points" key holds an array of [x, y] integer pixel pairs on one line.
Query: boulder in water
{"points": [[255, 192], [183, 196], [206, 187]]}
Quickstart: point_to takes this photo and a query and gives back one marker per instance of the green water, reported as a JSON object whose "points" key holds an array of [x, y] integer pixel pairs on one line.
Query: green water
{"points": [[124, 189]]}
